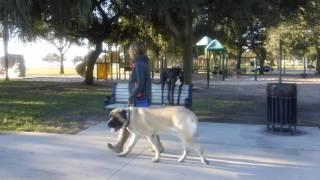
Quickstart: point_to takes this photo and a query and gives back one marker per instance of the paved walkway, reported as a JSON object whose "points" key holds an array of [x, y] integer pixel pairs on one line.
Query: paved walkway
{"points": [[235, 152]]}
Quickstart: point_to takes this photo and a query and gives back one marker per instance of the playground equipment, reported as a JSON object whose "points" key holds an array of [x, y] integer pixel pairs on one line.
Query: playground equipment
{"points": [[215, 51], [113, 65]]}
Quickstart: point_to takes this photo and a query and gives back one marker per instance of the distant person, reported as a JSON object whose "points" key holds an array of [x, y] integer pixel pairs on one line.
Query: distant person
{"points": [[139, 90]]}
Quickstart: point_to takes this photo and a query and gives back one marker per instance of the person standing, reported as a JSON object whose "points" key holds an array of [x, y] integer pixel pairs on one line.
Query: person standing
{"points": [[139, 90]]}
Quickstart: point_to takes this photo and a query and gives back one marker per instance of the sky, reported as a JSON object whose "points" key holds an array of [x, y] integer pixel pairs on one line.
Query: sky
{"points": [[33, 52]]}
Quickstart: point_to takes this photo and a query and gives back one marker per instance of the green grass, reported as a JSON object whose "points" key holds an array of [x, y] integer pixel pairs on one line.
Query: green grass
{"points": [[49, 106], [50, 71], [208, 105], [221, 109]]}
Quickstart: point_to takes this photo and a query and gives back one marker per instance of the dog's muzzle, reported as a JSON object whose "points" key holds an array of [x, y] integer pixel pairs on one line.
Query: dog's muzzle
{"points": [[178, 82], [114, 125]]}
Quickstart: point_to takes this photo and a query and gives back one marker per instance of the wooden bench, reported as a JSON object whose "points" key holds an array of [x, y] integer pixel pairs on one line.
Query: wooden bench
{"points": [[120, 95]]}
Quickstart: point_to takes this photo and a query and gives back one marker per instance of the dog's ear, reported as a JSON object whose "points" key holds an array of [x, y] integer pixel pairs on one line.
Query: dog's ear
{"points": [[123, 117], [123, 114], [113, 111]]}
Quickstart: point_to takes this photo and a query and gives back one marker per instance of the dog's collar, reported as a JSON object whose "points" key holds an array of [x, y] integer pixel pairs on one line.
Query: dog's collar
{"points": [[128, 117]]}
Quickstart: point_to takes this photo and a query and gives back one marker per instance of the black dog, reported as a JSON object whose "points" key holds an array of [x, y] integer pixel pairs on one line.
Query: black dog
{"points": [[170, 77]]}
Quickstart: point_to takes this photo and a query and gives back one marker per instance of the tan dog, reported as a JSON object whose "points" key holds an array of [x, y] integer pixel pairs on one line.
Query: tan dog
{"points": [[148, 121]]}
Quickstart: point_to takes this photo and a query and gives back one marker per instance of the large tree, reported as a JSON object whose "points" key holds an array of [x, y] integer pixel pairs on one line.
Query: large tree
{"points": [[83, 19], [103, 21], [309, 14], [14, 16], [62, 44], [300, 33], [229, 20], [175, 20], [224, 19]]}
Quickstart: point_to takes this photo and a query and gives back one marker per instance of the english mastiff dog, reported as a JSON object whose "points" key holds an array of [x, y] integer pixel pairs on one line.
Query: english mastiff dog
{"points": [[146, 122]]}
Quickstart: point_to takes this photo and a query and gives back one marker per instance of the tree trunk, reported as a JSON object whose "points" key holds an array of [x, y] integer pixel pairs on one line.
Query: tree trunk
{"points": [[187, 53], [5, 46], [238, 66], [261, 62], [61, 62], [318, 62], [91, 62], [262, 58]]}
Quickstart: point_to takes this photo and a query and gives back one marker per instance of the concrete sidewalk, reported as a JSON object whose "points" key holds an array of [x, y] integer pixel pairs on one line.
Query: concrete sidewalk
{"points": [[235, 152]]}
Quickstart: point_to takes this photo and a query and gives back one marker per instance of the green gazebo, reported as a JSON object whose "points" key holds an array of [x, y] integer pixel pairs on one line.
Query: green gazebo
{"points": [[212, 46]]}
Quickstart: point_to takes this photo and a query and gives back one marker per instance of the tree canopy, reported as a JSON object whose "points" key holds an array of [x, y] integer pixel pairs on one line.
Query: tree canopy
{"points": [[167, 25]]}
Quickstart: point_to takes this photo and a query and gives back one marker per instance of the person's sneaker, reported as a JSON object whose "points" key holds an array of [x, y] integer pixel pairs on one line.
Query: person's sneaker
{"points": [[114, 148]]}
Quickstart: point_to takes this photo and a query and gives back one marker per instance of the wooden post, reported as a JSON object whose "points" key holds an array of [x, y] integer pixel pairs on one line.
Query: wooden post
{"points": [[304, 67], [208, 68], [284, 65], [111, 59], [118, 67], [255, 68], [280, 62], [162, 61], [152, 68], [105, 63], [223, 70], [226, 64]]}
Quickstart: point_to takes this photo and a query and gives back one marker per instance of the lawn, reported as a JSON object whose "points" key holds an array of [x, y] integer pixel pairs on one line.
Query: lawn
{"points": [[49, 71], [50, 106], [226, 103]]}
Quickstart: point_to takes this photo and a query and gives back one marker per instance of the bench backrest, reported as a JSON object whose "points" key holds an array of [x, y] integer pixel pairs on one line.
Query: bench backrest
{"points": [[120, 94]]}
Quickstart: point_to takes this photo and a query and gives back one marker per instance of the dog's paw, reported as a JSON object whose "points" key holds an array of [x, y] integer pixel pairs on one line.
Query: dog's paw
{"points": [[180, 160], [205, 161], [122, 154], [155, 160], [152, 150]]}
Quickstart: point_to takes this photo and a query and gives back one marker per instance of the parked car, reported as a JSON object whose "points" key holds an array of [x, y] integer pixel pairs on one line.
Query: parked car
{"points": [[265, 68]]}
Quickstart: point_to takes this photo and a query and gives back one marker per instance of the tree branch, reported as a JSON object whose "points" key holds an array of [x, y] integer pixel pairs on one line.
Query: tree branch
{"points": [[52, 42], [103, 14], [65, 51], [171, 24]]}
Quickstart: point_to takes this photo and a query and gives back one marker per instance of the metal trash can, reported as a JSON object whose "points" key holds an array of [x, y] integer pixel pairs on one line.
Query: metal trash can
{"points": [[282, 106]]}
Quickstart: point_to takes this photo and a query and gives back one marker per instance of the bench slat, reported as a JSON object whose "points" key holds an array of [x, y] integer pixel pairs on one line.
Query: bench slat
{"points": [[125, 86], [121, 95]]}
